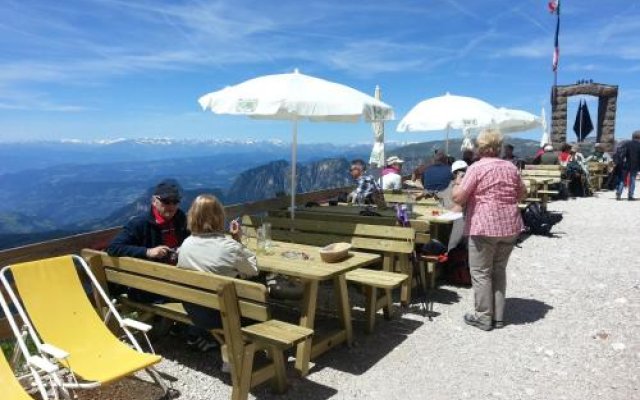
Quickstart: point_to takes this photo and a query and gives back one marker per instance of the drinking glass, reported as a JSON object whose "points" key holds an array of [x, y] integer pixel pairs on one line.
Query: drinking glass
{"points": [[266, 227], [261, 241]]}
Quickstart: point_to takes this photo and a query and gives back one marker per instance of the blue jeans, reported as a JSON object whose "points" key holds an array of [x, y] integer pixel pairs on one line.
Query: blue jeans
{"points": [[632, 182]]}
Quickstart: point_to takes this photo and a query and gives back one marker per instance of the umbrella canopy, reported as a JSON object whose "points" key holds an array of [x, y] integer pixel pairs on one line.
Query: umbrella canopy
{"points": [[512, 121], [295, 96], [447, 112], [377, 152]]}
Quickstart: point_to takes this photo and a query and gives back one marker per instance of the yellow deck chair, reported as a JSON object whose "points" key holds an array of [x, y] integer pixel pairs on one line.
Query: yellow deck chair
{"points": [[38, 370], [60, 312], [11, 388]]}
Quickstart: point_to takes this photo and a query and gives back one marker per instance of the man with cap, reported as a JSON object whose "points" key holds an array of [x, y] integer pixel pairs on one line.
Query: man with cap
{"points": [[390, 178], [156, 234]]}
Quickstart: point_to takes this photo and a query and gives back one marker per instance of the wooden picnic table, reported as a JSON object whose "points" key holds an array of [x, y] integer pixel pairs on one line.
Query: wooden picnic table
{"points": [[312, 271], [540, 184]]}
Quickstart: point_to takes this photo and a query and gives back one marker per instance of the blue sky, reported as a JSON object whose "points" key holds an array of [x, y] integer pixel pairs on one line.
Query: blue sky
{"points": [[95, 69]]}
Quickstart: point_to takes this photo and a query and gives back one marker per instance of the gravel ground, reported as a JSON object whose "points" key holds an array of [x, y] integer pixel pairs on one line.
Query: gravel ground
{"points": [[573, 314]]}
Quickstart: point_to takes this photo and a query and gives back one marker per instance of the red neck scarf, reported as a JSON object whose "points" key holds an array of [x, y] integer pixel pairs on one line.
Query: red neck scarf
{"points": [[167, 229]]}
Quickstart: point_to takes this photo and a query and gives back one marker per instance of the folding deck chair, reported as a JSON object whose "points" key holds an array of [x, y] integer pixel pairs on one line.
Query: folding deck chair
{"points": [[64, 326], [40, 375]]}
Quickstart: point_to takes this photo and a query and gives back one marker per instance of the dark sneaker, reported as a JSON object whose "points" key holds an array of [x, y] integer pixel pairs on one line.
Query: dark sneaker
{"points": [[202, 344], [498, 324], [471, 319], [618, 196], [632, 199]]}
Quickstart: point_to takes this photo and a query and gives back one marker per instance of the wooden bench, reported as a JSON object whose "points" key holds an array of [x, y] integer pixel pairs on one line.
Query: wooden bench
{"points": [[234, 298], [421, 227], [598, 172], [393, 242]]}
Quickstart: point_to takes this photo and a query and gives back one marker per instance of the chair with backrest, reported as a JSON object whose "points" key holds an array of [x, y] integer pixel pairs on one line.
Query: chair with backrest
{"points": [[61, 321]]}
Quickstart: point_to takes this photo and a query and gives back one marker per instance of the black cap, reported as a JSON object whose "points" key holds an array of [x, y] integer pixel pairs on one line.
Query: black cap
{"points": [[168, 190]]}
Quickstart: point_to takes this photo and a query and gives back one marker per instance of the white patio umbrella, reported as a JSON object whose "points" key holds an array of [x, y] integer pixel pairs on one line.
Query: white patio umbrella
{"points": [[511, 121], [447, 112], [545, 129], [295, 97], [377, 152]]}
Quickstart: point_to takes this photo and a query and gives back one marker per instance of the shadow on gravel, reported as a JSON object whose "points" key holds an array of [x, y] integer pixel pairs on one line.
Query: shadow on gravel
{"points": [[175, 349], [524, 311], [368, 349]]}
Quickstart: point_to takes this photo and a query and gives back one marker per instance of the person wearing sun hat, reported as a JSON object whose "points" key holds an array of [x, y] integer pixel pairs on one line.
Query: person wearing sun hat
{"points": [[391, 178], [157, 233]]}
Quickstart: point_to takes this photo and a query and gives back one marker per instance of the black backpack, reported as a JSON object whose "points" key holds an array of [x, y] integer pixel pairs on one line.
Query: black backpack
{"points": [[538, 221]]}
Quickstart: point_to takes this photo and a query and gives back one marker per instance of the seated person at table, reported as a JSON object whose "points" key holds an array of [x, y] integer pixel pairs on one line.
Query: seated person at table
{"points": [[469, 156], [458, 168], [549, 157], [437, 176], [416, 177], [599, 155], [154, 235], [209, 250], [391, 178], [507, 154], [367, 190], [565, 154]]}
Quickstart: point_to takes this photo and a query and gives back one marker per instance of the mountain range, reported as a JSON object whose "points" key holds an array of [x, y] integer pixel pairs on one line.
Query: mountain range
{"points": [[65, 198]]}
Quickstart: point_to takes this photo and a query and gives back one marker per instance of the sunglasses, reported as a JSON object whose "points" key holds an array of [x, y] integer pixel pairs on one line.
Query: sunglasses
{"points": [[168, 201]]}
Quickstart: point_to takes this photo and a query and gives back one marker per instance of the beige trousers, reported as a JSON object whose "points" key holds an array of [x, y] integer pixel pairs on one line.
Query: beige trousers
{"points": [[488, 257]]}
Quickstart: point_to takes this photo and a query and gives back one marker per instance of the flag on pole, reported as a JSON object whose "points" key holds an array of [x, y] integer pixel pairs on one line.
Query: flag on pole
{"points": [[554, 8], [583, 125]]}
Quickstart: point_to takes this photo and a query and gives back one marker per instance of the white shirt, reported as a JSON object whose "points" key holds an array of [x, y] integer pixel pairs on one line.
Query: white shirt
{"points": [[218, 254], [391, 182]]}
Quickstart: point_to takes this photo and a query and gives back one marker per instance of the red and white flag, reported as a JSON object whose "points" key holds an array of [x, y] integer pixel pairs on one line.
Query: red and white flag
{"points": [[554, 7]]}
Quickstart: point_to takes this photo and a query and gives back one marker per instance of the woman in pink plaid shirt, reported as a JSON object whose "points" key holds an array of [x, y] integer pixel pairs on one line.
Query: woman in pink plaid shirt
{"points": [[490, 191]]}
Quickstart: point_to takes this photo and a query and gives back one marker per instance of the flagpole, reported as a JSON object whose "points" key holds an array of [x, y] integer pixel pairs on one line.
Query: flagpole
{"points": [[580, 111], [557, 46]]}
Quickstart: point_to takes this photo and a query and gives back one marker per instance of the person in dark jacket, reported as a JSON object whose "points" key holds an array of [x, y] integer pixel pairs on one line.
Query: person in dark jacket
{"points": [[629, 156], [156, 234], [438, 175]]}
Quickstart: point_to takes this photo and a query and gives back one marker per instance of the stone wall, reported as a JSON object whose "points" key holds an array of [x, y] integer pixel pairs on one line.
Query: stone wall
{"points": [[607, 105]]}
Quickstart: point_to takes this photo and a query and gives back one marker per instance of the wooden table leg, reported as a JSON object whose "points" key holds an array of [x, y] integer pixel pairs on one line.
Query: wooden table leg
{"points": [[405, 289], [545, 195], [307, 320], [387, 265], [344, 308]]}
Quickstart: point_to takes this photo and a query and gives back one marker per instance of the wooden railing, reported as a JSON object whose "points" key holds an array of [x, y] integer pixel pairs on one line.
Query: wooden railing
{"points": [[100, 239]]}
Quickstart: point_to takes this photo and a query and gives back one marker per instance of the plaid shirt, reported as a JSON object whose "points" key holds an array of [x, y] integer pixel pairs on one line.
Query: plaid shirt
{"points": [[365, 190], [491, 187]]}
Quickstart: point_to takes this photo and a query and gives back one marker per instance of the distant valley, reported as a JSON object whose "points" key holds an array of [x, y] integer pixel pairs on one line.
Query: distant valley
{"points": [[61, 198]]}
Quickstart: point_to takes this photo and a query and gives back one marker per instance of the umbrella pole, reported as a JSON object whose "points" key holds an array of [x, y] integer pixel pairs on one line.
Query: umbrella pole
{"points": [[294, 147], [446, 143]]}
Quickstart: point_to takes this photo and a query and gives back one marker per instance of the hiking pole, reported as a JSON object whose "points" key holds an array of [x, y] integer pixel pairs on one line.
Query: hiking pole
{"points": [[421, 285]]}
